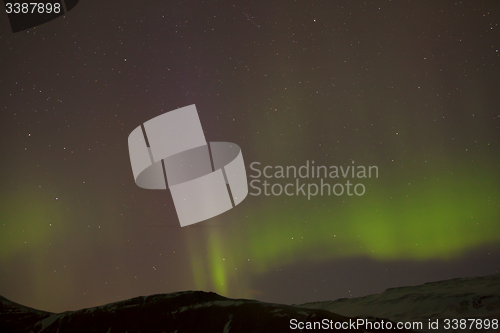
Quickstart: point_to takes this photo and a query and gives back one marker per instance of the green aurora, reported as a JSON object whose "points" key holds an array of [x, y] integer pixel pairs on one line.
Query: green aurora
{"points": [[434, 218]]}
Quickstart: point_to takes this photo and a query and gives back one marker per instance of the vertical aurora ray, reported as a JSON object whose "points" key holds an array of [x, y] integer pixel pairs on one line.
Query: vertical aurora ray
{"points": [[208, 260], [197, 260], [217, 264]]}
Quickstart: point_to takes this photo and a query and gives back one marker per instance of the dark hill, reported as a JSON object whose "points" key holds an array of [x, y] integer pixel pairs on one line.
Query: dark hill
{"points": [[191, 311]]}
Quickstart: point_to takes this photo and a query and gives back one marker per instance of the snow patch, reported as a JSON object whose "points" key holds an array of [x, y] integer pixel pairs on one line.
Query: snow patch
{"points": [[48, 321], [228, 325]]}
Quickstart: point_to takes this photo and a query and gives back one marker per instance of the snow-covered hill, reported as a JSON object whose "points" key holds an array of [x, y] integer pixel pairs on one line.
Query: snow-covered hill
{"points": [[466, 298]]}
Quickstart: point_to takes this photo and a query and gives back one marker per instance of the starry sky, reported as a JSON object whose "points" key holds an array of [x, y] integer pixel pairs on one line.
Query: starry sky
{"points": [[410, 87]]}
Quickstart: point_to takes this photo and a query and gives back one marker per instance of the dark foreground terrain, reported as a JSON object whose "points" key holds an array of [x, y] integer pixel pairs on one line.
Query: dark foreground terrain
{"points": [[191, 311], [197, 311]]}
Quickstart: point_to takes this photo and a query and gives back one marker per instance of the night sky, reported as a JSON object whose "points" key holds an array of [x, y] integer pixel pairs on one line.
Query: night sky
{"points": [[412, 87]]}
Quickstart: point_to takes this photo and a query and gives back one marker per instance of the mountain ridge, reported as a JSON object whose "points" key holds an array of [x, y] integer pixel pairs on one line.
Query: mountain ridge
{"points": [[199, 311], [188, 311]]}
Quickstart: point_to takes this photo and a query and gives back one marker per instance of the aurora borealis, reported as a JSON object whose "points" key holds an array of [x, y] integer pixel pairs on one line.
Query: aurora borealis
{"points": [[409, 87]]}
